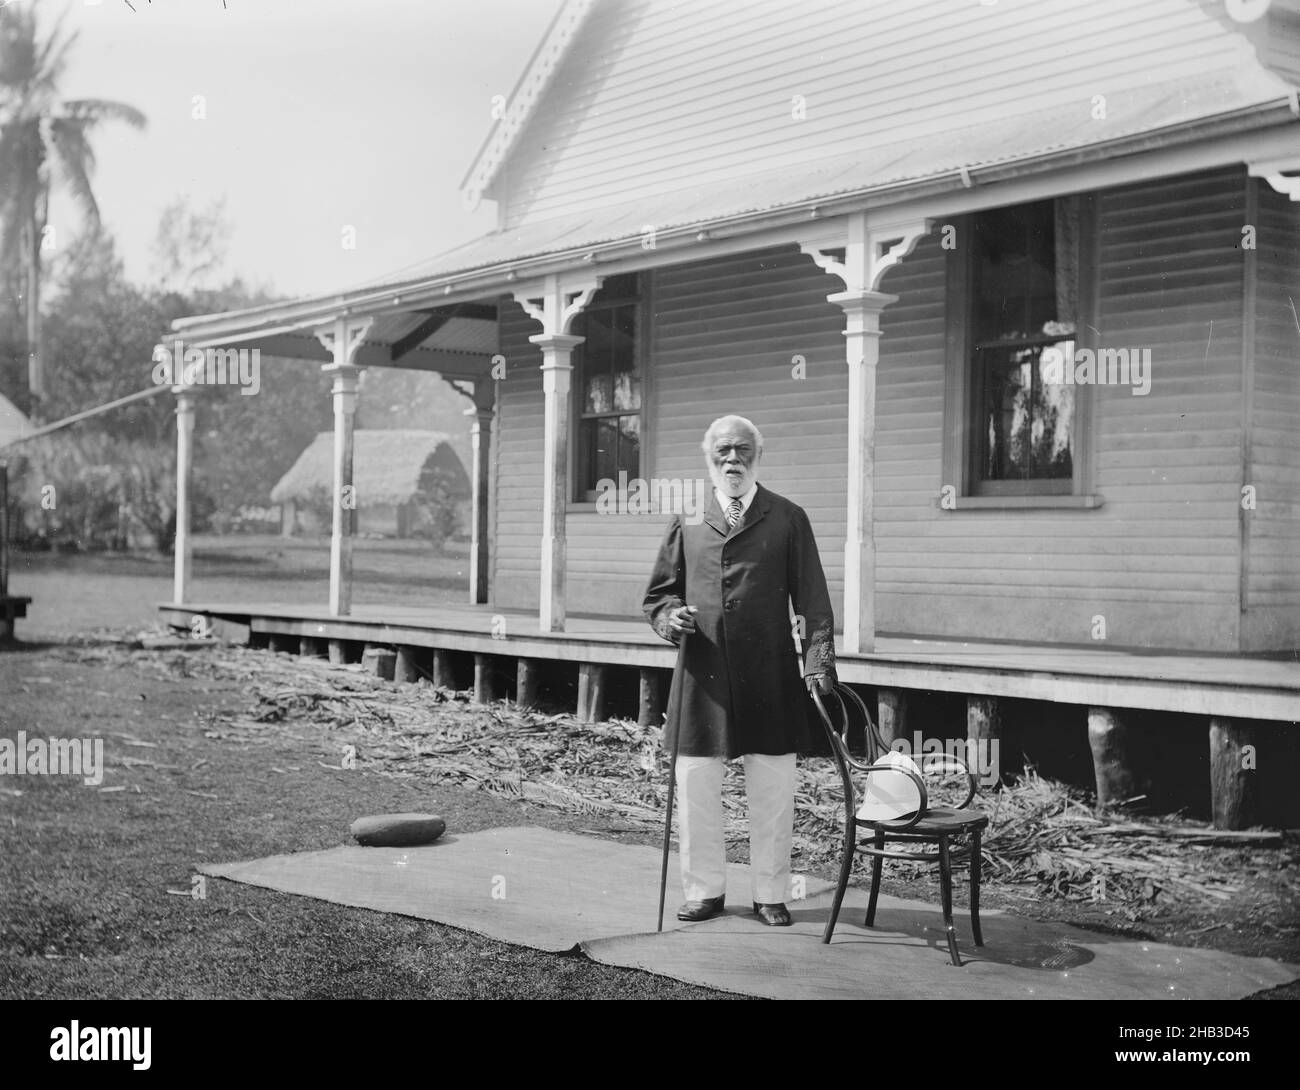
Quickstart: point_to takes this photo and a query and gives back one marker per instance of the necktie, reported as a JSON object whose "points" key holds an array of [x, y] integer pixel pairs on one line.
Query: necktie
{"points": [[733, 512]]}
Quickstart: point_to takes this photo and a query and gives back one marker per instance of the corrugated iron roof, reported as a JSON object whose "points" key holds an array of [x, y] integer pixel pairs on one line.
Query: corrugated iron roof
{"points": [[466, 335], [457, 334], [1028, 136]]}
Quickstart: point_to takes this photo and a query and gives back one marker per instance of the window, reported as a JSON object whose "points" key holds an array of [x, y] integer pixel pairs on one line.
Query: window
{"points": [[1023, 278], [607, 386]]}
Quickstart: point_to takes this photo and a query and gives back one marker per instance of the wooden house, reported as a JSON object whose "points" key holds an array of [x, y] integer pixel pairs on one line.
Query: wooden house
{"points": [[1010, 288]]}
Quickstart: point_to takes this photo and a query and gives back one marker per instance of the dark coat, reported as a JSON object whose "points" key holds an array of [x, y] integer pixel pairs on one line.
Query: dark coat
{"points": [[743, 689]]}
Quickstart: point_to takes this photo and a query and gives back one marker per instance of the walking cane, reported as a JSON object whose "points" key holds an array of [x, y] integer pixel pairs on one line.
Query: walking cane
{"points": [[679, 677]]}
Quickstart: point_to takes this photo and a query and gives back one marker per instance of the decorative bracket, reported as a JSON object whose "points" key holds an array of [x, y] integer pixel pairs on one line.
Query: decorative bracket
{"points": [[555, 301], [481, 391], [459, 385], [862, 250], [1282, 174], [344, 337]]}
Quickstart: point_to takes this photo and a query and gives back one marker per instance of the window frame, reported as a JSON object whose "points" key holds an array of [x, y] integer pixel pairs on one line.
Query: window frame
{"points": [[579, 500], [964, 388]]}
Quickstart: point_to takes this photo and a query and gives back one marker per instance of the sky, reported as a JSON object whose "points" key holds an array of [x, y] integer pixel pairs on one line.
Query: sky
{"points": [[306, 116]]}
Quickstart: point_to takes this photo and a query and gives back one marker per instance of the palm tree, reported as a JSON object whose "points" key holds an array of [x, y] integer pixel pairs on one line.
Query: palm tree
{"points": [[39, 131]]}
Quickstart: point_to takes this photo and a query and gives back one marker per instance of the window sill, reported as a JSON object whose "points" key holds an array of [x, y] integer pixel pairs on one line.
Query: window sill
{"points": [[619, 512], [1023, 503]]}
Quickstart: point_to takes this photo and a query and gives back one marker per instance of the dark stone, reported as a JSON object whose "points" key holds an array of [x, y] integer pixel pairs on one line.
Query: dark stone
{"points": [[398, 830]]}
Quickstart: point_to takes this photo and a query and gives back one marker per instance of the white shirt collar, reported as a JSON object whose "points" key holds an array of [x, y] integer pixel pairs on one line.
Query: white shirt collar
{"points": [[745, 500]]}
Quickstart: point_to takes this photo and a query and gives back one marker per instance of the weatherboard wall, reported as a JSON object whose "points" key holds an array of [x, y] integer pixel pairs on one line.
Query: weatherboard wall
{"points": [[517, 495], [1159, 562], [1272, 530], [1279, 41]]}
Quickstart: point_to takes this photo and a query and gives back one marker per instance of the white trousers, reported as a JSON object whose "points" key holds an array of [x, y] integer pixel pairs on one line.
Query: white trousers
{"points": [[769, 789]]}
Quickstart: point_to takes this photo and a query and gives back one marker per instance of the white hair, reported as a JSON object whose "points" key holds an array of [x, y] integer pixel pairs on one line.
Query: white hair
{"points": [[724, 422]]}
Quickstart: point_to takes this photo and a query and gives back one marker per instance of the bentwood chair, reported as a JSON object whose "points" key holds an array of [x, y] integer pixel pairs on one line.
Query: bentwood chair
{"points": [[895, 805]]}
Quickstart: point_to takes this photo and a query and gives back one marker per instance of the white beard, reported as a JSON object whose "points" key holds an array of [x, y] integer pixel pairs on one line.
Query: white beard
{"points": [[724, 485]]}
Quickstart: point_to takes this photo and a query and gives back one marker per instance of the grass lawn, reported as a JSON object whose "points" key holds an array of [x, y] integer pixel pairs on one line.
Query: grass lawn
{"points": [[116, 591], [85, 874]]}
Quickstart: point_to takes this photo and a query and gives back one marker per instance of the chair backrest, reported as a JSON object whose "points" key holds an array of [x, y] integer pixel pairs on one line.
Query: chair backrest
{"points": [[837, 728], [857, 711], [894, 786], [847, 711]]}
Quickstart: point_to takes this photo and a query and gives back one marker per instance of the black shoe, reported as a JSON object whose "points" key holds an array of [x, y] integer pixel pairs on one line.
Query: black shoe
{"points": [[694, 911], [773, 915]]}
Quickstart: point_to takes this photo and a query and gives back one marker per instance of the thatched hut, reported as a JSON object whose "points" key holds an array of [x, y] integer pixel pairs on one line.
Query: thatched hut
{"points": [[405, 484]]}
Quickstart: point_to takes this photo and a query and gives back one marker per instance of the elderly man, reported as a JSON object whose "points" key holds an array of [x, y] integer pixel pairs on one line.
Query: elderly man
{"points": [[726, 586]]}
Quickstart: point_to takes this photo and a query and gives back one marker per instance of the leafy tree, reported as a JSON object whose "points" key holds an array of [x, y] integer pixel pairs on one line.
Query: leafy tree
{"points": [[102, 329], [245, 443], [86, 489], [42, 138], [190, 246], [437, 496]]}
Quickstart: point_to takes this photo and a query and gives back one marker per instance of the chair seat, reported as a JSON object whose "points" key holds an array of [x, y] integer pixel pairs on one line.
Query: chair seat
{"points": [[936, 822]]}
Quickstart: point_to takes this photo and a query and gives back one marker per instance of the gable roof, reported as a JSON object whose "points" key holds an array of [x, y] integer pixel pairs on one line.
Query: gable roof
{"points": [[386, 466], [710, 119], [656, 97], [523, 99]]}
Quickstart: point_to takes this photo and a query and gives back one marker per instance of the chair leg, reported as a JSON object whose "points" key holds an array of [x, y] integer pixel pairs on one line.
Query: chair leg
{"points": [[945, 888], [846, 868], [976, 860], [876, 863]]}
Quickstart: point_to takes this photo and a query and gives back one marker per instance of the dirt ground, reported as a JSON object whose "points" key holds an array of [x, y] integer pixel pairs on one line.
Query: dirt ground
{"points": [[96, 883]]}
